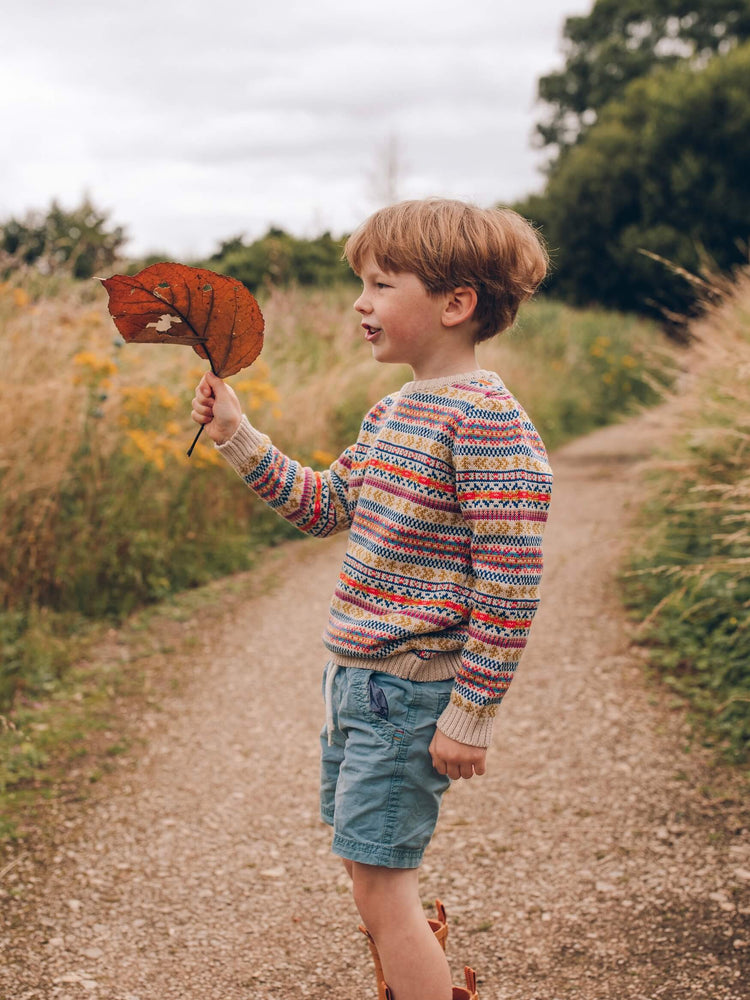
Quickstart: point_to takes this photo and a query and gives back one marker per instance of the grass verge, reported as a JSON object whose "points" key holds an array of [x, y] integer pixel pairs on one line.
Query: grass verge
{"points": [[688, 582]]}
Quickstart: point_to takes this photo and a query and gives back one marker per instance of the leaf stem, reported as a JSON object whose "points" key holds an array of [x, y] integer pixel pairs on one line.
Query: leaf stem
{"points": [[200, 429], [195, 440]]}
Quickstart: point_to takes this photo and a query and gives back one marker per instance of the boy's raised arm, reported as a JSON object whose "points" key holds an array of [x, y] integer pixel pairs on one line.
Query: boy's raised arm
{"points": [[318, 503]]}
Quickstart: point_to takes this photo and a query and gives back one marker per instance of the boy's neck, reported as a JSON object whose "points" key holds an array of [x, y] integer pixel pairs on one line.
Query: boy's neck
{"points": [[443, 365]]}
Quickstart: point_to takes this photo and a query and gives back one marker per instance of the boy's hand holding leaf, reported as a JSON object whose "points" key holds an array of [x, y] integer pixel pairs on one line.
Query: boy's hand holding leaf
{"points": [[216, 406]]}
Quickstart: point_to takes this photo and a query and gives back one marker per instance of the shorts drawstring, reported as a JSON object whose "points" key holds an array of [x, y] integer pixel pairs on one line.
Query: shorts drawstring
{"points": [[332, 669]]}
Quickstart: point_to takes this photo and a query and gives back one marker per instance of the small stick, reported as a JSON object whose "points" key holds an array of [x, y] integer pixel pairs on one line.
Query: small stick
{"points": [[12, 864], [195, 440]]}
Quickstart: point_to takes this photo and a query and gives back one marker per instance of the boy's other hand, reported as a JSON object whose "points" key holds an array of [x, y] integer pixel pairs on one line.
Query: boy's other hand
{"points": [[457, 760], [216, 405]]}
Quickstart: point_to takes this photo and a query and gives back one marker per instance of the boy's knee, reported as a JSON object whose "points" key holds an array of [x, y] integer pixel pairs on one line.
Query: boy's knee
{"points": [[378, 892], [369, 904]]}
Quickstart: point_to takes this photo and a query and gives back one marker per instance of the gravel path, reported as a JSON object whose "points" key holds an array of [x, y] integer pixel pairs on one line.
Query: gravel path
{"points": [[598, 858]]}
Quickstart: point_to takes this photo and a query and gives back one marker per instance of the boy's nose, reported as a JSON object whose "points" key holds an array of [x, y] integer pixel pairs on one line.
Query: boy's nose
{"points": [[362, 305]]}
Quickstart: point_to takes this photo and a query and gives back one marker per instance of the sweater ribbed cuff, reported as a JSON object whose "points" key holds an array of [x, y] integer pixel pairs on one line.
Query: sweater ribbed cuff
{"points": [[471, 728], [244, 447]]}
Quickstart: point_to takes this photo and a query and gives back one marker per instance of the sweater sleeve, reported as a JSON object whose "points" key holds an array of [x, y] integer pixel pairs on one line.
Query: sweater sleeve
{"points": [[318, 503], [503, 487]]}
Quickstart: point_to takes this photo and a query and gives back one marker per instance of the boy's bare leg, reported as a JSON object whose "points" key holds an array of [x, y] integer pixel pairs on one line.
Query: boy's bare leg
{"points": [[414, 964]]}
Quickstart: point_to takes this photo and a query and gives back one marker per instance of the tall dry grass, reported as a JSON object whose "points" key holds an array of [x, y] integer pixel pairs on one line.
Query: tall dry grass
{"points": [[690, 578]]}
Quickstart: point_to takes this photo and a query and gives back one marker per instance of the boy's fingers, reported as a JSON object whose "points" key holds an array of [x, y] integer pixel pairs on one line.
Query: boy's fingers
{"points": [[203, 405], [455, 771], [201, 416], [212, 381]]}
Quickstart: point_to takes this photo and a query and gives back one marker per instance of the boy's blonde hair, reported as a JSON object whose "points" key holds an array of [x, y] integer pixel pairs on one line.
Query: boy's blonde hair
{"points": [[448, 244]]}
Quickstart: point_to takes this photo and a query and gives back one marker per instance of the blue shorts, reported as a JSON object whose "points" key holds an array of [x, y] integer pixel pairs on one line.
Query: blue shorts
{"points": [[378, 789]]}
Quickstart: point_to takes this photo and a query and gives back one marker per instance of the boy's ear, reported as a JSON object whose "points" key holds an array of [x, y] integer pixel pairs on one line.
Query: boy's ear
{"points": [[460, 304]]}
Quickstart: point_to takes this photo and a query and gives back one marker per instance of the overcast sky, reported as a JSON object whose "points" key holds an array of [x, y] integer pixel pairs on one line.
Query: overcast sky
{"points": [[192, 122]]}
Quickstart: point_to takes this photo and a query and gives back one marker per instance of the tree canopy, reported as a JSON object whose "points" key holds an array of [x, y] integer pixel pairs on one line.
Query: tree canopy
{"points": [[81, 240], [622, 40], [280, 259], [664, 169]]}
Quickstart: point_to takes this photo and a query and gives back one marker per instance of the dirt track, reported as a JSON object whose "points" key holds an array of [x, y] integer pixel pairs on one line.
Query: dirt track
{"points": [[594, 860]]}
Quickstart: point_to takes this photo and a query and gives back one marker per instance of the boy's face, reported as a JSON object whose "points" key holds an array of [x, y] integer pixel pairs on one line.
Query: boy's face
{"points": [[402, 321]]}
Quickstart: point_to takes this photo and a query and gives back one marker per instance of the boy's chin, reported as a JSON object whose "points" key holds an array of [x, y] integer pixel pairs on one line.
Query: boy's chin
{"points": [[384, 356]]}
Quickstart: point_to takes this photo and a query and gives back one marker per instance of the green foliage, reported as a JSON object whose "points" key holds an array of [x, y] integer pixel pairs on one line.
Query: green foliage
{"points": [[38, 647], [664, 170], [113, 554], [688, 581], [595, 367], [280, 259], [79, 242], [622, 40]]}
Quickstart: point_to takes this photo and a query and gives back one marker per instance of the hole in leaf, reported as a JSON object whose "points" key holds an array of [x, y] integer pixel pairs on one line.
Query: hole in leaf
{"points": [[164, 323]]}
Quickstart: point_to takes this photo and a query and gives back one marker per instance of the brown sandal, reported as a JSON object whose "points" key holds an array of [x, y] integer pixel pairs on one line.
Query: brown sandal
{"points": [[459, 993], [439, 925]]}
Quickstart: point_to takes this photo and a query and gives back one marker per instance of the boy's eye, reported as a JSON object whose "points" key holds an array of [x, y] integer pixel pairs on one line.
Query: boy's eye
{"points": [[381, 284]]}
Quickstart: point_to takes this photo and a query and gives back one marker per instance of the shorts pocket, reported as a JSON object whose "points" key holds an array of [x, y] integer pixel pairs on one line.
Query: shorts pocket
{"points": [[443, 700], [378, 701], [386, 703]]}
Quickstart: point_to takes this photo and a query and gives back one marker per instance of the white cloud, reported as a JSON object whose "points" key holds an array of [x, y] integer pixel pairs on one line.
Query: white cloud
{"points": [[191, 122]]}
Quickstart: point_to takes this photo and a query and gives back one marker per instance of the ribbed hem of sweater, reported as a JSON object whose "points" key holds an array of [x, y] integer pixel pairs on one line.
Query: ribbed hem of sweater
{"points": [[407, 665], [471, 727], [244, 448]]}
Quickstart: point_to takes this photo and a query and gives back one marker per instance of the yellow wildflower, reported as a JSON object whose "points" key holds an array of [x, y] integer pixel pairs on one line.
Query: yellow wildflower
{"points": [[321, 457], [94, 371], [206, 456], [145, 445], [599, 347]]}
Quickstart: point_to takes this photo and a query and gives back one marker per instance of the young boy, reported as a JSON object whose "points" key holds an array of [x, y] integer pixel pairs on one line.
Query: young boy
{"points": [[445, 494]]}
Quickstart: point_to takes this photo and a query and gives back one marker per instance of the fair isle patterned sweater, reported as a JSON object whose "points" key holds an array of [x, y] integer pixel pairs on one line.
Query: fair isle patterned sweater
{"points": [[445, 494]]}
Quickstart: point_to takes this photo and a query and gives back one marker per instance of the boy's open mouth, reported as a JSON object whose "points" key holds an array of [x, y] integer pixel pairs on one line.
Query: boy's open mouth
{"points": [[371, 332]]}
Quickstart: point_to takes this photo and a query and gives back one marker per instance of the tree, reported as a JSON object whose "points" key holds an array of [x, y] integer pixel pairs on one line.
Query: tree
{"points": [[386, 177], [621, 40], [281, 259], [664, 169], [81, 240]]}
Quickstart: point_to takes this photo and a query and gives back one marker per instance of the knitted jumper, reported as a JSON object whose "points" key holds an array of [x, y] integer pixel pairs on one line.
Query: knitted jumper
{"points": [[445, 494]]}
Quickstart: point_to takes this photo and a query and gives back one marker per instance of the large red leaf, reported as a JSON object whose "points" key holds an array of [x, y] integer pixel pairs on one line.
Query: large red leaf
{"points": [[176, 304]]}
